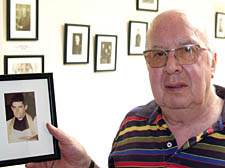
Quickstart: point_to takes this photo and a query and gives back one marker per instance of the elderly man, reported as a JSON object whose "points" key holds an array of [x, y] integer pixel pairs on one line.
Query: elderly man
{"points": [[184, 125]]}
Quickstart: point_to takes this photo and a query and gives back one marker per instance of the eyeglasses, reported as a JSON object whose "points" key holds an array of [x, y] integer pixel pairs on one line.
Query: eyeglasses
{"points": [[185, 55]]}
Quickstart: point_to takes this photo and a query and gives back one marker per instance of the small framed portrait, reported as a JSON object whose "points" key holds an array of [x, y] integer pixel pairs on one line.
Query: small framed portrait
{"points": [[76, 44], [22, 20], [148, 5], [137, 37], [220, 25], [105, 52], [18, 64], [28, 103]]}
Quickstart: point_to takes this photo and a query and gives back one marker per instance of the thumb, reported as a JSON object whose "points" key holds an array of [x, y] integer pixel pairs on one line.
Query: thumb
{"points": [[57, 133]]}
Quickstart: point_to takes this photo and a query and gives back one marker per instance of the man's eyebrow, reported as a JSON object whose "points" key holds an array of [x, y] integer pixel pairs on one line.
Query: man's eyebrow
{"points": [[188, 42], [157, 46], [180, 44]]}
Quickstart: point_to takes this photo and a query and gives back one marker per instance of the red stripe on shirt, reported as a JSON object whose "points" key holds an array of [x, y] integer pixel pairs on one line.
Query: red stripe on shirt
{"points": [[145, 164], [131, 119]]}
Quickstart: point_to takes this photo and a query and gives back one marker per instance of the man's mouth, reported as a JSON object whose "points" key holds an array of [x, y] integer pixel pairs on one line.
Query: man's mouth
{"points": [[176, 86]]}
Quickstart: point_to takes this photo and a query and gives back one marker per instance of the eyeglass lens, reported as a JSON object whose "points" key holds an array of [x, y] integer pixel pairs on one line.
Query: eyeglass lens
{"points": [[184, 55]]}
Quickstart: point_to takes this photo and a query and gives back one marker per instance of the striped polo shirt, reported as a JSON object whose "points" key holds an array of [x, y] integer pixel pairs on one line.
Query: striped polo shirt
{"points": [[144, 140]]}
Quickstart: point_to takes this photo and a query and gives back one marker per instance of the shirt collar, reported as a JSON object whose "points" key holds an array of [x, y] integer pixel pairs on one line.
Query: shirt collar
{"points": [[21, 125]]}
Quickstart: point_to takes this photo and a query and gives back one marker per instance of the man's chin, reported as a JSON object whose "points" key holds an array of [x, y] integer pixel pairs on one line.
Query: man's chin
{"points": [[19, 118], [175, 105]]}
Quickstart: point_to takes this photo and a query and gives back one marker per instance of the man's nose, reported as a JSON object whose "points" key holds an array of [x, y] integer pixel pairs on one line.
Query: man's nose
{"points": [[172, 64]]}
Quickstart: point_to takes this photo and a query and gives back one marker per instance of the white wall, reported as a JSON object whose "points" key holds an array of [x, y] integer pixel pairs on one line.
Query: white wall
{"points": [[91, 106]]}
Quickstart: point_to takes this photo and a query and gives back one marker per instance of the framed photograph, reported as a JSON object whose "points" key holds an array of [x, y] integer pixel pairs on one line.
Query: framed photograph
{"points": [[76, 44], [148, 5], [137, 37], [22, 19], [18, 64], [28, 103], [220, 25], [105, 52]]}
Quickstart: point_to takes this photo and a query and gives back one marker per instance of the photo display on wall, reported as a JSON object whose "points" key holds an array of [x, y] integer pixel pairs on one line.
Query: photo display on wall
{"points": [[137, 37], [22, 19], [76, 44], [105, 52]]}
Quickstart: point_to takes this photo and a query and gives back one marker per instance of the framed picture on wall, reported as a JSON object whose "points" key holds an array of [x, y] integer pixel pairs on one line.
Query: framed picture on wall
{"points": [[137, 37], [22, 64], [24, 136], [105, 52], [22, 20], [220, 25], [76, 44], [148, 5]]}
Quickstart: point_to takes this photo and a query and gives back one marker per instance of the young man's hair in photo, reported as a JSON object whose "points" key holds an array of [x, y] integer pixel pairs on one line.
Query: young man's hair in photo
{"points": [[17, 97]]}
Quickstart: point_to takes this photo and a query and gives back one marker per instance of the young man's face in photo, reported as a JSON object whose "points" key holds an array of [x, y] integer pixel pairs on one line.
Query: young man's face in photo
{"points": [[19, 109]]}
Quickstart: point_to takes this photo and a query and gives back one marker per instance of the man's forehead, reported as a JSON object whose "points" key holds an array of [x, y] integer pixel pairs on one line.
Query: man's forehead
{"points": [[173, 39], [17, 102], [160, 46], [173, 27], [171, 22]]}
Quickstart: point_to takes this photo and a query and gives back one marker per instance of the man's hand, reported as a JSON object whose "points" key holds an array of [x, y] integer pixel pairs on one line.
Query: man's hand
{"points": [[73, 154]]}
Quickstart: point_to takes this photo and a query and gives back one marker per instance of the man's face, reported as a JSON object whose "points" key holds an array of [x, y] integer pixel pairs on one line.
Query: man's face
{"points": [[177, 86], [18, 109], [77, 39]]}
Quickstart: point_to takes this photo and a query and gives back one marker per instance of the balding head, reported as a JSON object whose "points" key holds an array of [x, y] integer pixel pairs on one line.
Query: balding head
{"points": [[170, 26]]}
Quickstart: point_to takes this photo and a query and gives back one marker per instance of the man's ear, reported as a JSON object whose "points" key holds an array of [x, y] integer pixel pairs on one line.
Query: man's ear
{"points": [[213, 64]]}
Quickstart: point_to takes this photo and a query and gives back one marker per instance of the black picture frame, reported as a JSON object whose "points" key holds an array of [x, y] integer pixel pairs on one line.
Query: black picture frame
{"points": [[148, 5], [137, 31], [220, 25], [76, 53], [21, 64], [105, 52], [22, 19], [37, 91]]}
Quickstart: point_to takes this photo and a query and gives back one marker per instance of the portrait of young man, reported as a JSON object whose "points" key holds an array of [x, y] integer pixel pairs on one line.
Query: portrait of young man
{"points": [[21, 120]]}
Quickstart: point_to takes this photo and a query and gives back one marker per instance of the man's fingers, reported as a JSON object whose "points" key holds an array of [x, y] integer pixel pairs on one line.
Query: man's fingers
{"points": [[47, 164], [34, 165], [30, 165]]}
